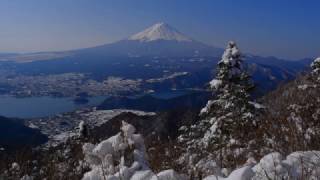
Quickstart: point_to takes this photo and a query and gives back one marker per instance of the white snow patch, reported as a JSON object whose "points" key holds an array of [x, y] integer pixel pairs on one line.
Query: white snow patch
{"points": [[244, 173], [257, 105], [160, 31], [33, 126], [215, 83]]}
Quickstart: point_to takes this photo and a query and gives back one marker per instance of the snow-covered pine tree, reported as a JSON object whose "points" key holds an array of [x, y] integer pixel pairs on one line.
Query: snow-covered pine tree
{"points": [[232, 113], [227, 128], [315, 65]]}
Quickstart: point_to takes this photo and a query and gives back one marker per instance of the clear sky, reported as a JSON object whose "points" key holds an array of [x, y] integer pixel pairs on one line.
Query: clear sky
{"points": [[283, 28]]}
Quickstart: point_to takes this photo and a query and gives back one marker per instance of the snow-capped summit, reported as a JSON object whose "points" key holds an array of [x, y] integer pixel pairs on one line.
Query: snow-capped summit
{"points": [[160, 31], [160, 40]]}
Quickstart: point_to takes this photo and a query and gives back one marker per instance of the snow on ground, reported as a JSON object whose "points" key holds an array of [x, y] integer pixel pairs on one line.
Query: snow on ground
{"points": [[244, 173], [124, 157], [297, 165], [167, 77], [31, 125], [257, 105]]}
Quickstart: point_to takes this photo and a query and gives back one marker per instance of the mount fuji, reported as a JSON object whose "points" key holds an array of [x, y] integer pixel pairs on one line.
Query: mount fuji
{"points": [[160, 31], [158, 40]]}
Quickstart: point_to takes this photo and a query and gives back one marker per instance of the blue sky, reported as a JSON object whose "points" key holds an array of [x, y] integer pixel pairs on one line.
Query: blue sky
{"points": [[283, 28]]}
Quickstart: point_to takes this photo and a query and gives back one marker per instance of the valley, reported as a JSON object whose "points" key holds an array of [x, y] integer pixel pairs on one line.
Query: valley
{"points": [[128, 76]]}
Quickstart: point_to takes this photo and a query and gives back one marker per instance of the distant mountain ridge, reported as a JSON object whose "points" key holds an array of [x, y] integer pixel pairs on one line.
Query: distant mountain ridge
{"points": [[155, 52], [159, 39], [194, 100]]}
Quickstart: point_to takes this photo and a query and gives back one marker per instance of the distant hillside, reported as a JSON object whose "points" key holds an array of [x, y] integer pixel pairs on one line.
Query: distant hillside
{"points": [[13, 134], [163, 124], [295, 106], [149, 103]]}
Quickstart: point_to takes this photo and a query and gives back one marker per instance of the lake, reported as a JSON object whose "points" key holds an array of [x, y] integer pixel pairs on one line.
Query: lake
{"points": [[170, 94], [31, 107]]}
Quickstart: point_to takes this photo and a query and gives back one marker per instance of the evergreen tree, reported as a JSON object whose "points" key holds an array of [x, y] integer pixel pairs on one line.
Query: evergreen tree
{"points": [[227, 128], [316, 64]]}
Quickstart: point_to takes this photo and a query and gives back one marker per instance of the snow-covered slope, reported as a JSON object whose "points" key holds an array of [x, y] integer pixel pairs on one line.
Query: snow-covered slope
{"points": [[160, 31]]}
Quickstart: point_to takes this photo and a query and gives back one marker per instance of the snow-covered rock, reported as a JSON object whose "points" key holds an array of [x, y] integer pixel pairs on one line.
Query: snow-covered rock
{"points": [[143, 175], [170, 175], [244, 173], [270, 166], [273, 166], [297, 165], [15, 167], [27, 177]]}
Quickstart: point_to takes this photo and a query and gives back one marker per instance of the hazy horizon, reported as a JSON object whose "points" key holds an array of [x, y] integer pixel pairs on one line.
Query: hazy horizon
{"points": [[283, 29]]}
